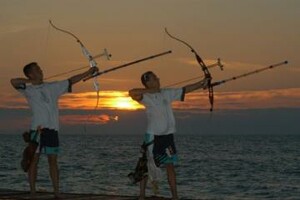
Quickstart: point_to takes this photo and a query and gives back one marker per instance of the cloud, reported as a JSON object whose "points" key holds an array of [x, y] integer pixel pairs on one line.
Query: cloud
{"points": [[119, 100], [281, 98], [75, 119], [14, 29]]}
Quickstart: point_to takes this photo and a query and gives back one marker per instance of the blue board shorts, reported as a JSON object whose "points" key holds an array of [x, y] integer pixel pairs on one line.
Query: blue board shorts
{"points": [[47, 139], [164, 150]]}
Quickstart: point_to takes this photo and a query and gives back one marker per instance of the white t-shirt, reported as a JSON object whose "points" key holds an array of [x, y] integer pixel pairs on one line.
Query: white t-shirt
{"points": [[43, 102], [159, 111]]}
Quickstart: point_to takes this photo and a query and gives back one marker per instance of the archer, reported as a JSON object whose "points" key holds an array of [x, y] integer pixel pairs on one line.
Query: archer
{"points": [[42, 98], [161, 124]]}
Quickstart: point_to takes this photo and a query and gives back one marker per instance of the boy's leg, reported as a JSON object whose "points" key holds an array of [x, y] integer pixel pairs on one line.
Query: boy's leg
{"points": [[32, 174], [143, 184], [54, 173], [172, 180]]}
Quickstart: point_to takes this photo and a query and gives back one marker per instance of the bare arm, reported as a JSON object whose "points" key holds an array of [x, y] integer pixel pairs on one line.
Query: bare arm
{"points": [[17, 82], [137, 93], [194, 86], [79, 77]]}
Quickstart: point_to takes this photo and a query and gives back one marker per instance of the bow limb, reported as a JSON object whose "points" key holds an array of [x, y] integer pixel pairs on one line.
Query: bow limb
{"points": [[65, 31], [85, 52], [202, 65]]}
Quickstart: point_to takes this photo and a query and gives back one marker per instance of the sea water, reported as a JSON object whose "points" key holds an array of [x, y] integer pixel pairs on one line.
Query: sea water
{"points": [[210, 167]]}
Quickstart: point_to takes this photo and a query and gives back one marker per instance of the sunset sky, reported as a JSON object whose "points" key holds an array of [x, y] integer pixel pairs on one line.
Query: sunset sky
{"points": [[246, 35]]}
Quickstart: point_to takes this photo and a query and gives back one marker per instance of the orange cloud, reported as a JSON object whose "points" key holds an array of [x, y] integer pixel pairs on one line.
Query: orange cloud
{"points": [[281, 98], [90, 119], [119, 100]]}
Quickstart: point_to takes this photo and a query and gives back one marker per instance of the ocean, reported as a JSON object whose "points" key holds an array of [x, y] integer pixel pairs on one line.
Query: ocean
{"points": [[233, 167]]}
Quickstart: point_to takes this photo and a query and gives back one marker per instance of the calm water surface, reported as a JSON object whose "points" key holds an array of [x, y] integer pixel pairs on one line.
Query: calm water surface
{"points": [[211, 167]]}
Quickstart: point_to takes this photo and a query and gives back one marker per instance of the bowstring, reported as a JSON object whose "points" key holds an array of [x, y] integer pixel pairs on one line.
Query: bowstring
{"points": [[184, 81], [67, 72], [44, 53], [91, 64]]}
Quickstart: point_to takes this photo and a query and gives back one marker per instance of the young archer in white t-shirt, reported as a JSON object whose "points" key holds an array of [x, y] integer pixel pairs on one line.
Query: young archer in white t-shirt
{"points": [[161, 122], [43, 98]]}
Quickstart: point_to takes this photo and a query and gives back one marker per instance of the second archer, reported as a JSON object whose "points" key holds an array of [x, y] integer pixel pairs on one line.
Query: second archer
{"points": [[161, 122]]}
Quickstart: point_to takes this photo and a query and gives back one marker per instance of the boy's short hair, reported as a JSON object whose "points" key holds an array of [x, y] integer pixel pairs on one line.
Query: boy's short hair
{"points": [[145, 77], [27, 68]]}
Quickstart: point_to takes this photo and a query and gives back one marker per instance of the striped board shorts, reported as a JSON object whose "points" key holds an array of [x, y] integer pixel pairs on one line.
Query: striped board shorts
{"points": [[47, 139], [164, 150]]}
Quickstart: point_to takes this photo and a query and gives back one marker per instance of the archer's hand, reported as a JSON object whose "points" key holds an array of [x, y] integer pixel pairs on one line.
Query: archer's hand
{"points": [[79, 77], [206, 82], [93, 70]]}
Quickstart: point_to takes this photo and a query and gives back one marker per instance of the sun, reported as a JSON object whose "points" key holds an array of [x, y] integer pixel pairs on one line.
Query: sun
{"points": [[124, 103], [111, 100], [119, 100]]}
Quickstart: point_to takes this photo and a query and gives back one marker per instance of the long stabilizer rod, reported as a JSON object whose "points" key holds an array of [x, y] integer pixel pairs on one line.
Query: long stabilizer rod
{"points": [[248, 74], [127, 64]]}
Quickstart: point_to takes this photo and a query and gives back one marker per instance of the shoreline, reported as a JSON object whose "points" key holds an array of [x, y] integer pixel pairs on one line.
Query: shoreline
{"points": [[9, 194]]}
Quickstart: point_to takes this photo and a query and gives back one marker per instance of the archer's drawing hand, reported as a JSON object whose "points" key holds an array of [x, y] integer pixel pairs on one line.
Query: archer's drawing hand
{"points": [[16, 82]]}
